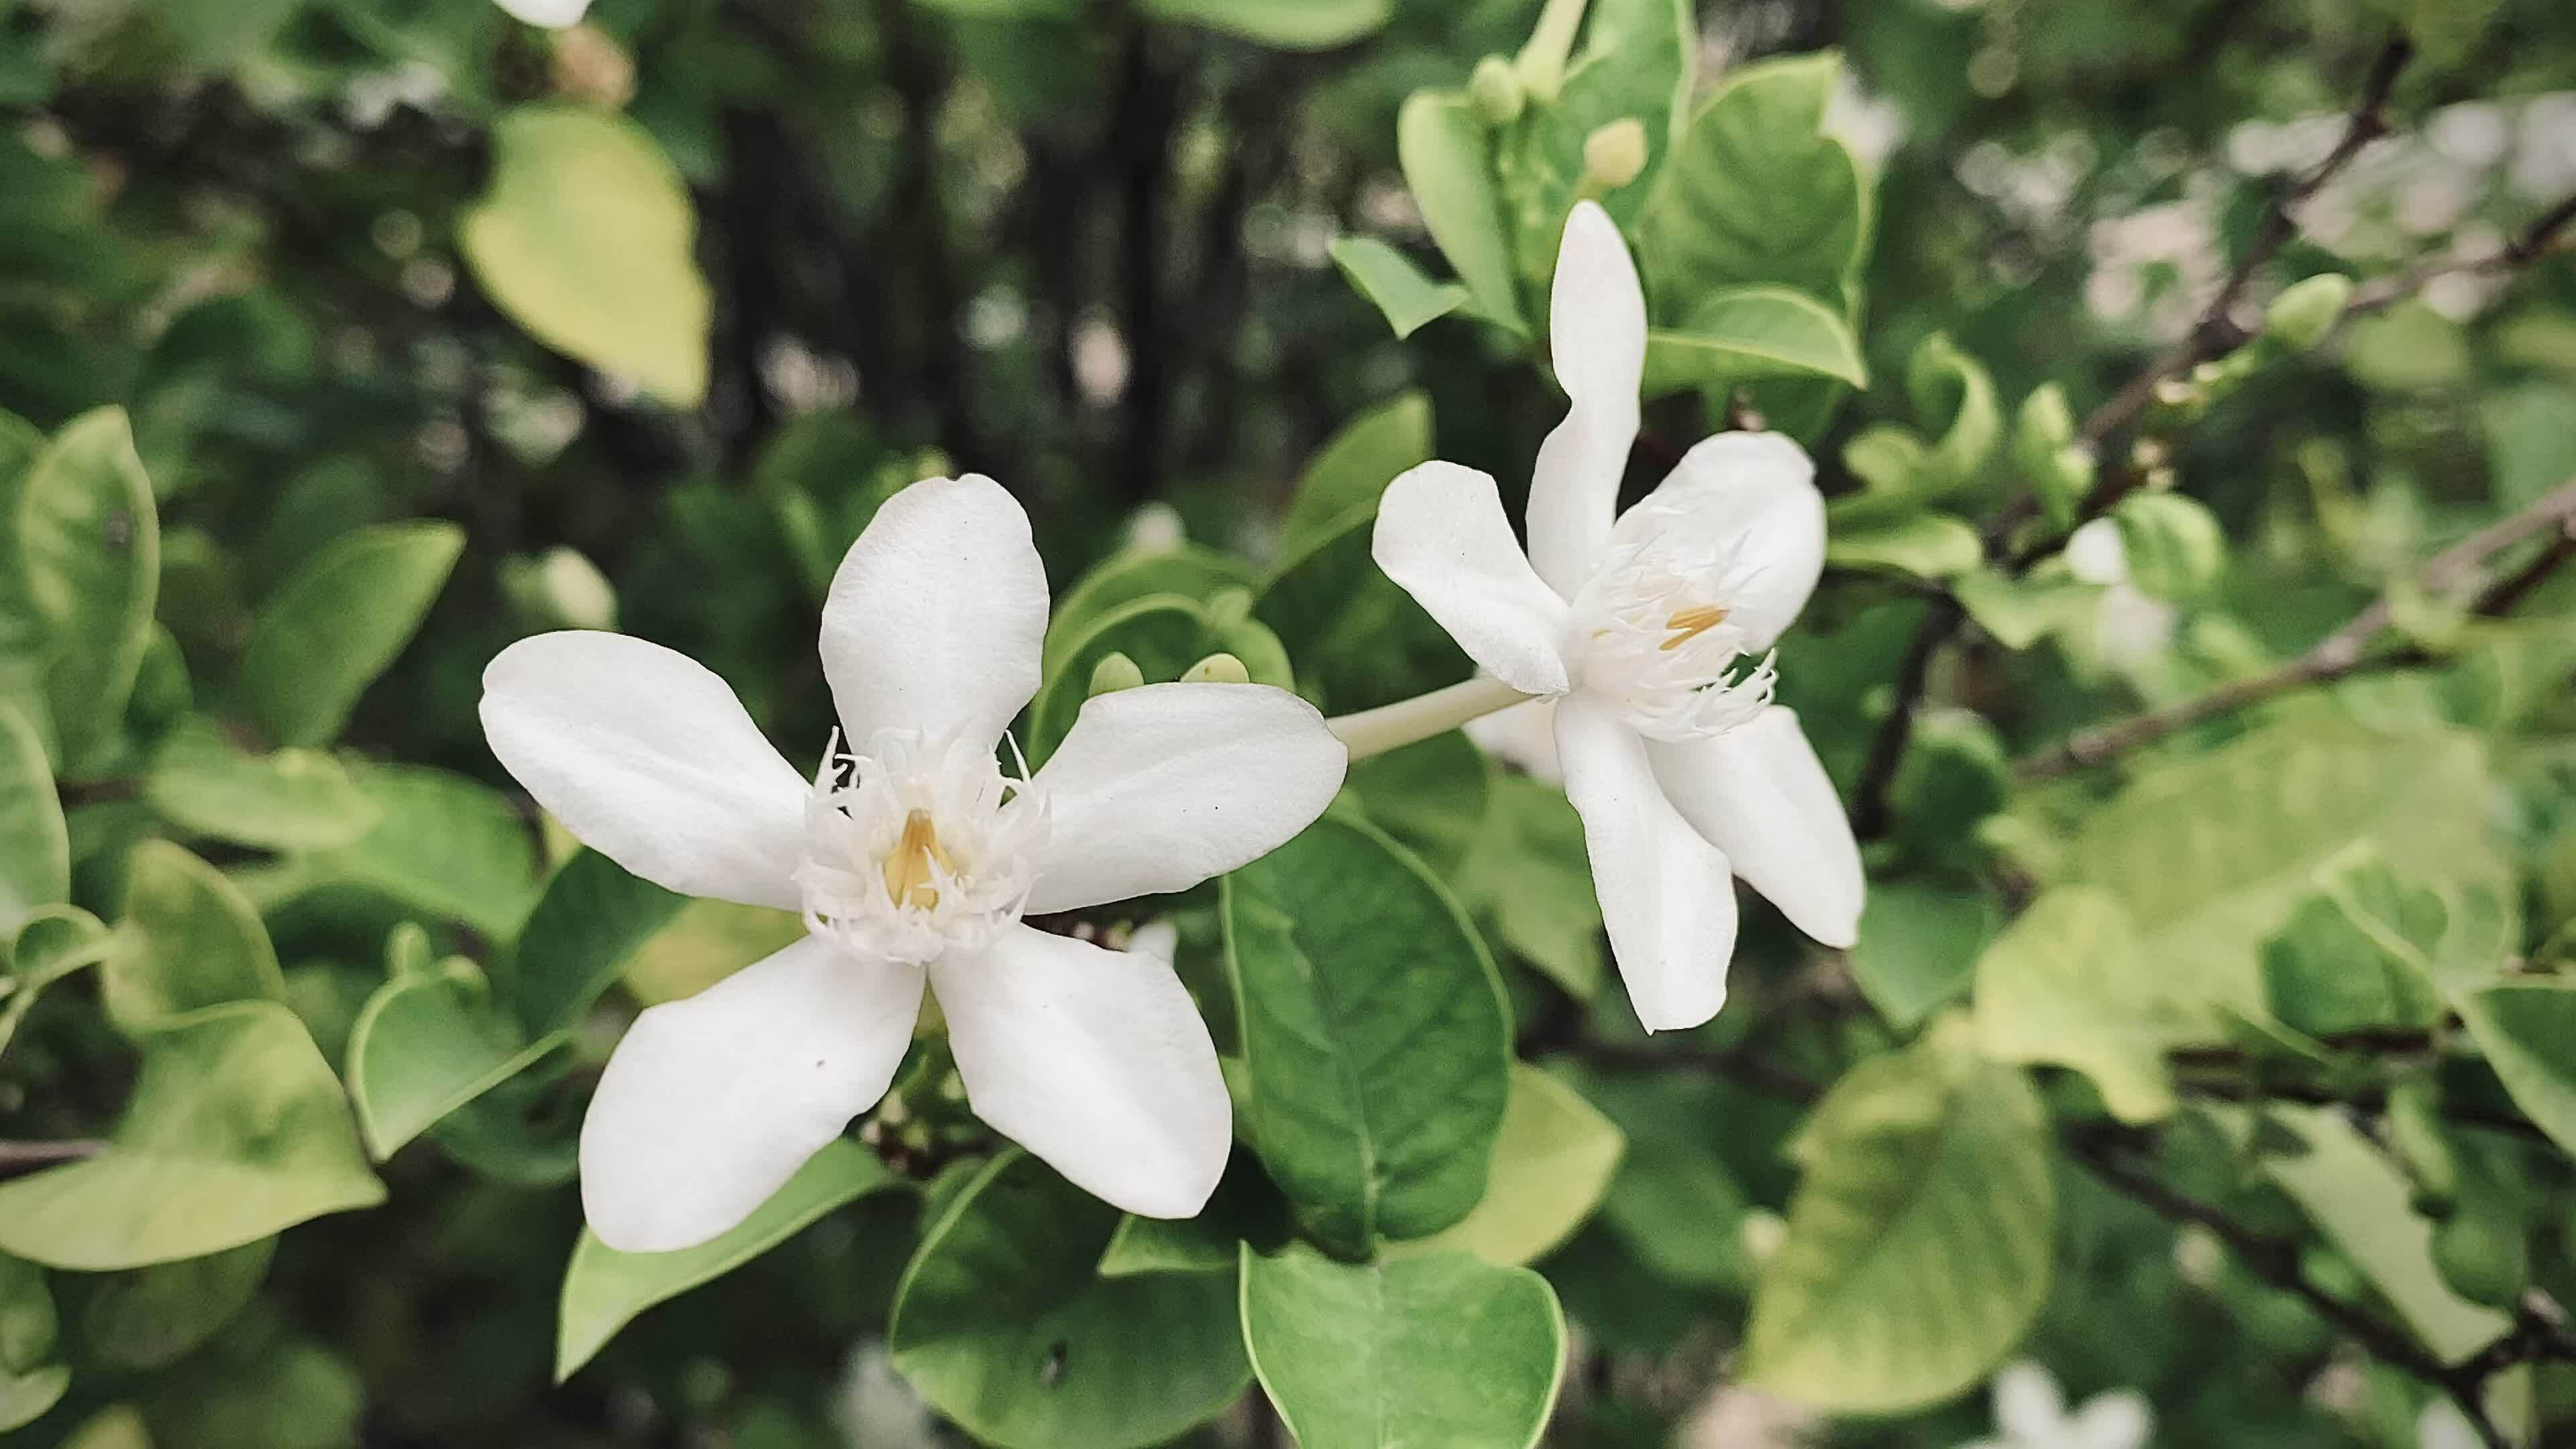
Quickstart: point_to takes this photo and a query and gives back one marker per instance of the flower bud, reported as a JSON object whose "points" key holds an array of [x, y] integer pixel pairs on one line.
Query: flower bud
{"points": [[1615, 154], [1541, 77], [2301, 317], [1113, 673], [1495, 89], [1218, 669]]}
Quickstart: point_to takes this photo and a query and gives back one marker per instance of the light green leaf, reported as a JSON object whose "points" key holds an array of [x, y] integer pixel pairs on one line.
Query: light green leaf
{"points": [[2523, 1028], [1528, 878], [149, 1318], [2019, 612], [1756, 194], [236, 1131], [604, 1289], [1374, 1035], [88, 536], [1635, 67], [2065, 984], [30, 1383], [585, 237], [2360, 1202], [197, 941], [1918, 946], [1919, 1242], [260, 1383], [1390, 279], [1448, 159], [1287, 24], [35, 846], [445, 845], [338, 621], [1350, 472], [1189, 571], [426, 1044], [2174, 546], [52, 943], [1918, 545], [591, 920], [1435, 1350], [1359, 641], [1747, 333], [295, 799], [705, 942], [1167, 1245], [1553, 1161], [1003, 1325], [2358, 951], [24, 1397], [1952, 392], [1164, 634]]}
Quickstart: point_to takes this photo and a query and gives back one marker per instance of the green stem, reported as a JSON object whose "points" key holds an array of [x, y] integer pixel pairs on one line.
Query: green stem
{"points": [[1393, 726]]}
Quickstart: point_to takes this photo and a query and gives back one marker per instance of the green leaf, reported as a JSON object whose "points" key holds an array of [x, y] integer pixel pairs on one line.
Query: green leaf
{"points": [[585, 236], [604, 1289], [197, 941], [25, 1398], [2358, 952], [1918, 946], [1919, 1242], [1350, 472], [1429, 795], [52, 943], [1746, 333], [1436, 1350], [1374, 1035], [1553, 1161], [1164, 634], [35, 845], [30, 1383], [2019, 612], [1167, 1245], [148, 1318], [1359, 641], [1389, 278], [1756, 194], [236, 1131], [1920, 545], [1528, 878], [256, 1383], [444, 845], [2066, 985], [1448, 161], [1002, 1324], [295, 799], [1189, 571], [1636, 66], [2523, 1028], [2360, 1202], [592, 918], [338, 621], [426, 1044], [2174, 546], [1287, 24], [221, 37], [88, 536], [1953, 392]]}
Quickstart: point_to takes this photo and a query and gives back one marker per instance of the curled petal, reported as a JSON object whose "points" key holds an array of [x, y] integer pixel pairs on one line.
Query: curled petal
{"points": [[1758, 793], [1442, 536], [1754, 496], [1597, 338]]}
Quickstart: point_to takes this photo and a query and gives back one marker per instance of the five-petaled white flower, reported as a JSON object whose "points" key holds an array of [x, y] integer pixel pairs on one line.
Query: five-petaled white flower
{"points": [[912, 856], [1651, 630], [2031, 1413]]}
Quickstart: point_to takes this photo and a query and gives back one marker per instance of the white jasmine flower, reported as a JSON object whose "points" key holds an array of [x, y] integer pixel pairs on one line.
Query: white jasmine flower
{"points": [[552, 14], [1652, 632], [2131, 628], [2031, 1413], [912, 856]]}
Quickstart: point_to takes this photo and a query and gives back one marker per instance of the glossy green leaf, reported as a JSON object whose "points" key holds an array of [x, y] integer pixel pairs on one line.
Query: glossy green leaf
{"points": [[1636, 67], [586, 237], [1918, 946], [1553, 1161], [1004, 1325], [1167, 1245], [1919, 545], [258, 1382], [338, 621], [2174, 546], [149, 1318], [1164, 634], [236, 1130], [52, 943], [1744, 334], [35, 845], [2357, 952], [1444, 1349], [1448, 161], [1528, 878], [1374, 1035], [1358, 640], [30, 1382], [604, 1289], [2067, 985], [426, 1044], [443, 844], [1919, 1242], [1188, 571], [25, 1397], [295, 799], [197, 941], [1430, 795], [1756, 194], [88, 536], [2523, 1028], [1389, 278], [1350, 471], [591, 920], [1287, 24]]}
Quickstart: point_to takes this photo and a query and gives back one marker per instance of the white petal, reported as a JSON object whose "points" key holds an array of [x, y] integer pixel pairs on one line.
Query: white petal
{"points": [[1443, 536], [1094, 1060], [935, 615], [2028, 1406], [1160, 787], [710, 1104], [2120, 1419], [1759, 793], [1665, 893], [1756, 492], [553, 14], [1597, 337], [647, 757]]}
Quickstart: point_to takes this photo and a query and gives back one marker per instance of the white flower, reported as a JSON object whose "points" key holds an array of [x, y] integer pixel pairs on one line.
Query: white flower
{"points": [[1652, 633], [912, 857], [552, 14], [2131, 627], [2030, 1413]]}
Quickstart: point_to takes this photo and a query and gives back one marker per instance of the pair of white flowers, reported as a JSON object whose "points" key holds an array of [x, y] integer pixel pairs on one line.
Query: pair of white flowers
{"points": [[912, 855]]}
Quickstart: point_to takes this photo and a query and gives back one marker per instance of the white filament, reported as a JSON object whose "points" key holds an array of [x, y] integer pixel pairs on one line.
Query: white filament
{"points": [[986, 826], [1658, 627]]}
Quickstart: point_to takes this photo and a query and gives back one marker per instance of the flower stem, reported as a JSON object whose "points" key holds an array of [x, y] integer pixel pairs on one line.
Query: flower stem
{"points": [[1408, 721]]}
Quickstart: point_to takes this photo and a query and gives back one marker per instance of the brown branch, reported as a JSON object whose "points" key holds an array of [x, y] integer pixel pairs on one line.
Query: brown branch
{"points": [[18, 1159], [2537, 240], [1870, 815], [2345, 651]]}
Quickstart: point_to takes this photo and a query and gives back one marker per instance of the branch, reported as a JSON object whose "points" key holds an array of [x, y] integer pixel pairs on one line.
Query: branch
{"points": [[18, 1159], [2533, 242], [2346, 650], [1887, 747]]}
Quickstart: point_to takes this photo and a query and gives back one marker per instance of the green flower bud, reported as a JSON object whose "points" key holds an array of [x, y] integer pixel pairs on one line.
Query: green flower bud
{"points": [[2301, 317], [1218, 669], [1113, 673], [1615, 154], [1495, 89]]}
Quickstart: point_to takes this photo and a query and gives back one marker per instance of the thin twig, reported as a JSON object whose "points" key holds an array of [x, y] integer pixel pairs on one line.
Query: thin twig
{"points": [[17, 1159]]}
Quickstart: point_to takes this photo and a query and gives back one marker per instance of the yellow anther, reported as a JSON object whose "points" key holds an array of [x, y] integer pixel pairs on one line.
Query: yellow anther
{"points": [[1688, 624], [909, 868]]}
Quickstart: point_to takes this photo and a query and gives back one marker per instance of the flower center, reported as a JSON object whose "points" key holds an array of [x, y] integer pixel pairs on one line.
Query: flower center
{"points": [[916, 847], [1658, 628]]}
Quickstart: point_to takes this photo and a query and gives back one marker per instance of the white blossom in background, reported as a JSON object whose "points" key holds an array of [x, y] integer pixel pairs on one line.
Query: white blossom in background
{"points": [[552, 14], [2130, 627], [912, 856], [1652, 633], [2443, 1426], [2031, 1413]]}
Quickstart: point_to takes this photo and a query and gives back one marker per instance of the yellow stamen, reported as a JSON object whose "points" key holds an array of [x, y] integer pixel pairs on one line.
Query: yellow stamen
{"points": [[908, 868], [1688, 624]]}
